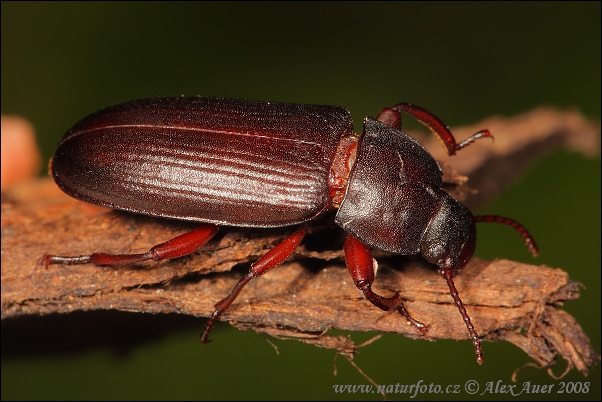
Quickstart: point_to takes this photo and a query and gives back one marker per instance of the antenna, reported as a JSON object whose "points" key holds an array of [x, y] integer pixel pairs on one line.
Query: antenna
{"points": [[529, 241]]}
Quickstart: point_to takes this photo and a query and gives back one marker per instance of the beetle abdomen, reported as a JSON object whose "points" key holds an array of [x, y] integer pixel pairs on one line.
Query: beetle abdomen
{"points": [[223, 161]]}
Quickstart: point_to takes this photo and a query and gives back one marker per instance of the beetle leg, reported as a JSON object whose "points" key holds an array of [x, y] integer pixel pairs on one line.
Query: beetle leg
{"points": [[174, 248], [392, 117], [273, 258], [362, 268], [448, 274]]}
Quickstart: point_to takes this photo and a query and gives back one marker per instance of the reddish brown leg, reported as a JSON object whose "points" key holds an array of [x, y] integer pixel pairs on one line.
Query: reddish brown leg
{"points": [[269, 261], [392, 117], [448, 274], [176, 247], [361, 266]]}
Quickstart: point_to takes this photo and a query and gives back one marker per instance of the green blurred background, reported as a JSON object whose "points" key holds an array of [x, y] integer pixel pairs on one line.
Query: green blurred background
{"points": [[464, 61]]}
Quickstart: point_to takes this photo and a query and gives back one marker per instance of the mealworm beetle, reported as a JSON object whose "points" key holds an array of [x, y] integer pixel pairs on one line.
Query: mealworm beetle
{"points": [[232, 162]]}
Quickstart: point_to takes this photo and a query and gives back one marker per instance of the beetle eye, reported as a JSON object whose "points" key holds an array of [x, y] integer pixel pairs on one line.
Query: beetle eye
{"points": [[434, 251]]}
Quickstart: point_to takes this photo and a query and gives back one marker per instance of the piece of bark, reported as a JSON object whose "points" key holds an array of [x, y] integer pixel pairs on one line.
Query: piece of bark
{"points": [[303, 298]]}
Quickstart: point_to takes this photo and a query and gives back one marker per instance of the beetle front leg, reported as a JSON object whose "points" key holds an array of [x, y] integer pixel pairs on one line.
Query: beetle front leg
{"points": [[392, 117], [361, 266], [273, 258], [177, 247]]}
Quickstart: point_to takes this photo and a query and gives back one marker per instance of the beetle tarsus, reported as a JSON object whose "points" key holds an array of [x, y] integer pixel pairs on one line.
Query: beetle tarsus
{"points": [[420, 326], [58, 259], [473, 138], [390, 303], [205, 335]]}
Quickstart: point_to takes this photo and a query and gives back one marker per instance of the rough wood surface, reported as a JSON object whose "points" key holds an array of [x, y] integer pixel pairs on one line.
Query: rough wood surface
{"points": [[313, 292]]}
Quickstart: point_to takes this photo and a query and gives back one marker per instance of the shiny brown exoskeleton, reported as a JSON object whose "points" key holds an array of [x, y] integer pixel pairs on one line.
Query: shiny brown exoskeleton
{"points": [[231, 162]]}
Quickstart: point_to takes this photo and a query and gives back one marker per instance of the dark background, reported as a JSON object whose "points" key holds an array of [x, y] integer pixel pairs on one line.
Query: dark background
{"points": [[464, 61]]}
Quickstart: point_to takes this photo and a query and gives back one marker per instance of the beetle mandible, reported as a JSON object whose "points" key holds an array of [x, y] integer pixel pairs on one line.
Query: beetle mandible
{"points": [[232, 162]]}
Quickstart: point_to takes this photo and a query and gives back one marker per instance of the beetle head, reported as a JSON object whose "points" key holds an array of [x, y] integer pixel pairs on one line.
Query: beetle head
{"points": [[450, 237]]}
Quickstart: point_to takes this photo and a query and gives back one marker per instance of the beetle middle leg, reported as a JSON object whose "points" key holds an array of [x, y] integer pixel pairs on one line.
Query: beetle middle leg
{"points": [[177, 247], [273, 258], [392, 117], [360, 264]]}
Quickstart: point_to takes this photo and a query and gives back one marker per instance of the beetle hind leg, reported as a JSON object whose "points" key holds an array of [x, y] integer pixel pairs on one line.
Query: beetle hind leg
{"points": [[361, 266], [177, 247]]}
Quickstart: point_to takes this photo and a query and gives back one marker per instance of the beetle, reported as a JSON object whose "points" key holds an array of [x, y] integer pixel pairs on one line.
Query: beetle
{"points": [[232, 162]]}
